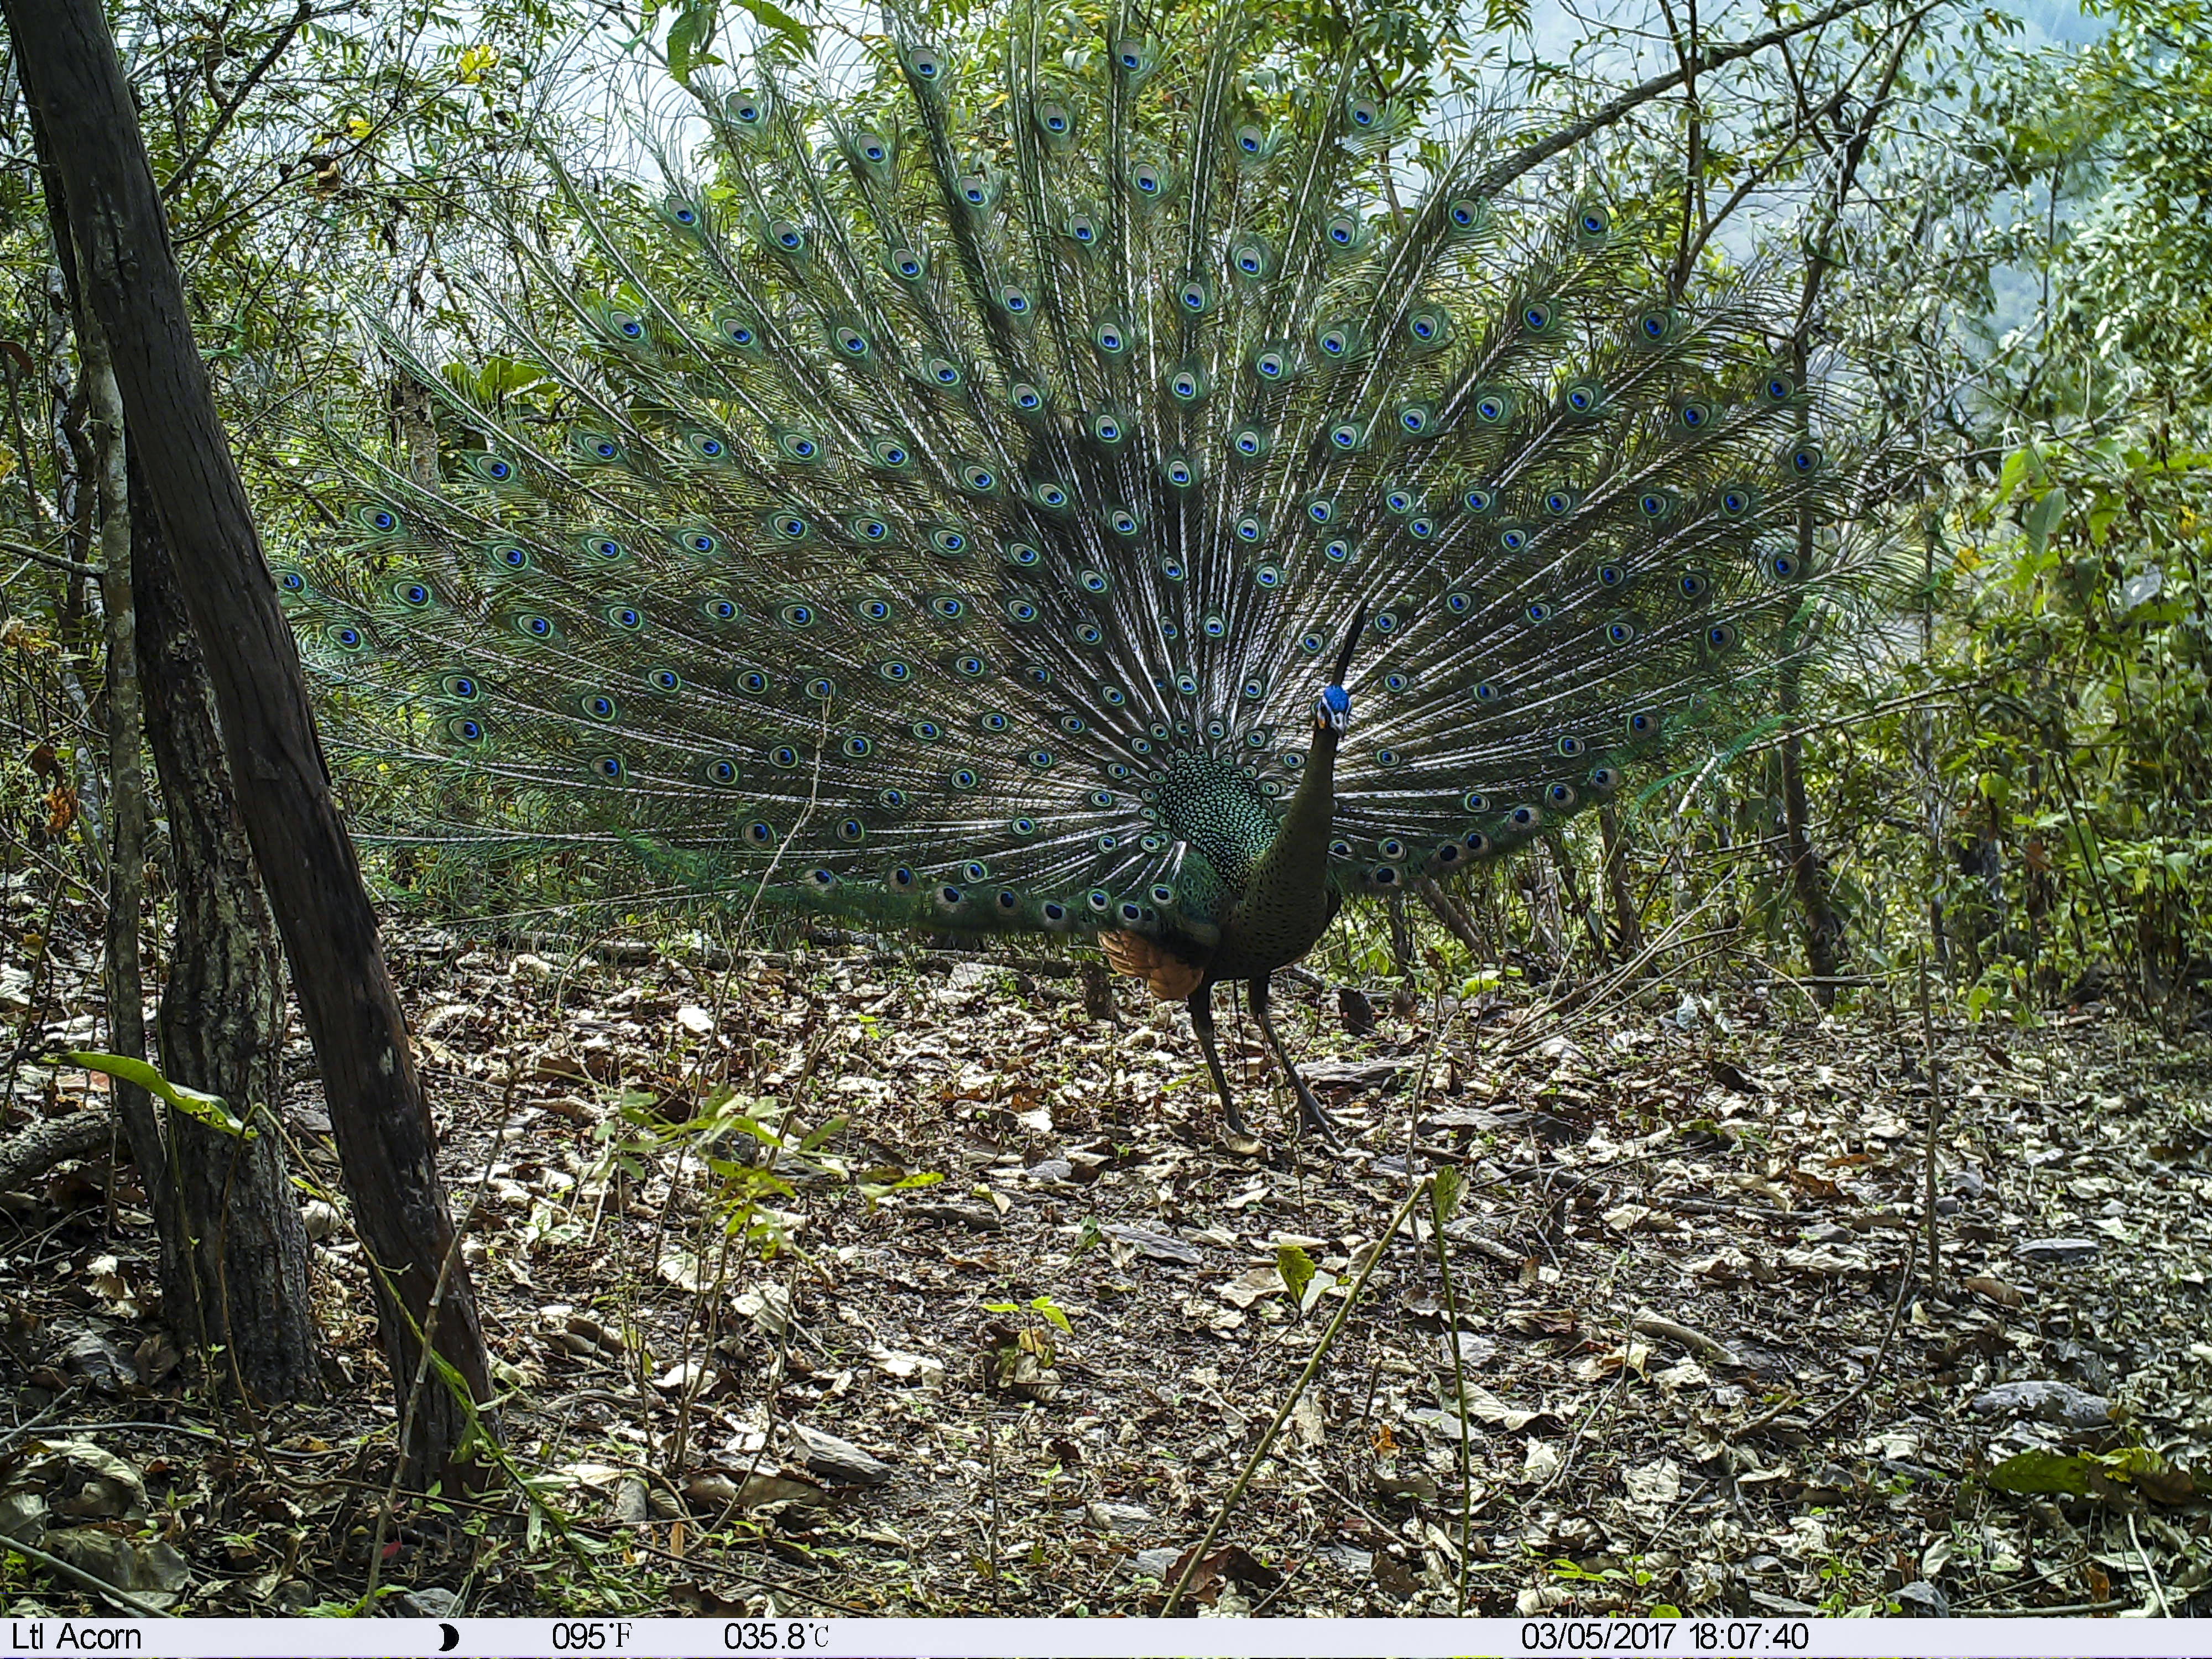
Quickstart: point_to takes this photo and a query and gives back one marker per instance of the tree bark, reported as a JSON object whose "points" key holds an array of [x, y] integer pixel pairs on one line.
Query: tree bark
{"points": [[222, 1021], [347, 1004]]}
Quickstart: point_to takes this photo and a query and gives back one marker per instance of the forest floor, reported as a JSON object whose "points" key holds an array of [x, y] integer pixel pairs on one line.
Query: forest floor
{"points": [[1008, 1321]]}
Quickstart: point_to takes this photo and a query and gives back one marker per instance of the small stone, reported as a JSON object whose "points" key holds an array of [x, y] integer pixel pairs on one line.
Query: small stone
{"points": [[2051, 1402], [2060, 1250], [1922, 1600], [835, 1459]]}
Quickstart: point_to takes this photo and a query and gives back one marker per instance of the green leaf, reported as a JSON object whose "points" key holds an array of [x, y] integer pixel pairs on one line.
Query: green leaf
{"points": [[1297, 1269], [1443, 1194], [2042, 1472], [210, 1109], [1051, 1310]]}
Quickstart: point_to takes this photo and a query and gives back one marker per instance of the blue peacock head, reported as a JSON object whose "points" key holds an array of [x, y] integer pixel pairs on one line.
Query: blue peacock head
{"points": [[1332, 709]]}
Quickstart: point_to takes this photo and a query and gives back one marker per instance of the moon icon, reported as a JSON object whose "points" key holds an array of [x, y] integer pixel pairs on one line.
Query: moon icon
{"points": [[449, 1637]]}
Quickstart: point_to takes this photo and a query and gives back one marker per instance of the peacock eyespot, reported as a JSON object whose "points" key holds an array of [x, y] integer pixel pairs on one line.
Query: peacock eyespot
{"points": [[1485, 692], [466, 730], [927, 731], [463, 687], [664, 679], [1560, 795], [1459, 603], [1538, 612], [1363, 113], [1312, 644], [1780, 389], [902, 878], [1619, 632], [721, 771], [893, 799], [1692, 584], [1268, 576], [1538, 316], [753, 681], [1250, 140], [722, 609], [858, 747], [1523, 817], [1342, 231], [413, 594], [610, 768], [1251, 528], [1805, 459], [600, 708]]}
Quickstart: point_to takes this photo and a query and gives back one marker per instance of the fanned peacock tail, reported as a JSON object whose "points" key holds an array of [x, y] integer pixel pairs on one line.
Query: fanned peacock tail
{"points": [[947, 513]]}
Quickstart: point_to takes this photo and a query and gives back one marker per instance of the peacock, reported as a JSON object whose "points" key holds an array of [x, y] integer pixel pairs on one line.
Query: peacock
{"points": [[1098, 482]]}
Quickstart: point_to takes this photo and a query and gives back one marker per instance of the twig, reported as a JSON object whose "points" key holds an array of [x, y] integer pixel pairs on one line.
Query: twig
{"points": [[55, 1407], [1438, 1206], [1298, 1390], [1935, 1122], [2156, 1589]]}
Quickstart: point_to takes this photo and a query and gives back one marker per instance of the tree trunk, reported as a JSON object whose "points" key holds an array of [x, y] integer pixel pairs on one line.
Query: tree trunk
{"points": [[385, 1141], [222, 1023], [1627, 920]]}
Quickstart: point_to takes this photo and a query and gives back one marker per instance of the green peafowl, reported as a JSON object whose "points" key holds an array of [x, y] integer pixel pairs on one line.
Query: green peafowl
{"points": [[981, 507]]}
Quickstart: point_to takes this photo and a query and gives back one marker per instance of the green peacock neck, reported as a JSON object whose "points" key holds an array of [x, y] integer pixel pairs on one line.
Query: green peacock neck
{"points": [[1296, 862]]}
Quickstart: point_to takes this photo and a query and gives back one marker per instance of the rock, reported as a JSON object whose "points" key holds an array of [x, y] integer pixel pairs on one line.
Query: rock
{"points": [[1160, 1247], [1158, 1564], [2060, 1250], [1922, 1600], [1051, 1169], [1117, 1517], [2050, 1402], [834, 1458]]}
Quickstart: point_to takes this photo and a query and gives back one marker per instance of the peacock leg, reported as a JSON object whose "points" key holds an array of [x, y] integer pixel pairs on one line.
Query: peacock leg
{"points": [[1308, 1107], [1200, 1004]]}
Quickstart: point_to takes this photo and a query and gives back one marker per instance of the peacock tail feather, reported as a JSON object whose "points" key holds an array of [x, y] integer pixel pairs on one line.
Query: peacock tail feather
{"points": [[947, 509]]}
